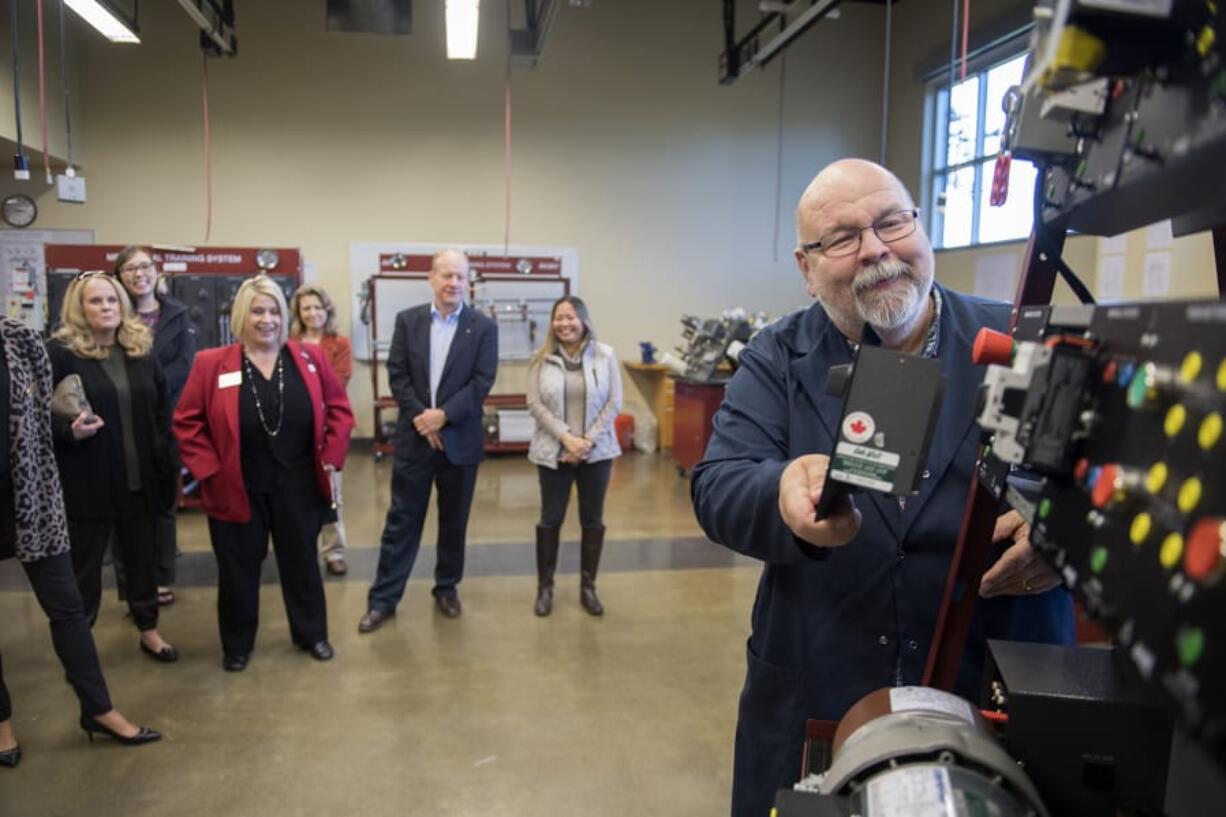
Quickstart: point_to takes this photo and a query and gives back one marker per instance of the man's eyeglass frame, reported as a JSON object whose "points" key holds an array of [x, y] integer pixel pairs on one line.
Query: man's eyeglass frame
{"points": [[912, 211]]}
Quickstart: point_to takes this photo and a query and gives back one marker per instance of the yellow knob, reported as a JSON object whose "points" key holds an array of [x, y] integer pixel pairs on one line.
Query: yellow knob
{"points": [[1155, 480], [1172, 551], [1189, 370], [1189, 494], [1176, 416], [1210, 430], [1141, 526]]}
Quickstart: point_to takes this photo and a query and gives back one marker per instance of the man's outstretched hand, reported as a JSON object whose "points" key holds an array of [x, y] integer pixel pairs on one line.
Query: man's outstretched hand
{"points": [[800, 488]]}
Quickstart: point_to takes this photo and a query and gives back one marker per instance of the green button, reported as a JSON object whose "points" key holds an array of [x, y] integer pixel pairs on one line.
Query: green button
{"points": [[1138, 389], [1191, 644], [1044, 508], [1098, 559]]}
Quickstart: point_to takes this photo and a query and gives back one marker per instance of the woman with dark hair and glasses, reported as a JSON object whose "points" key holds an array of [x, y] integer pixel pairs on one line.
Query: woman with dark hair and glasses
{"points": [[262, 424], [114, 457], [314, 321], [33, 528], [174, 346], [574, 394]]}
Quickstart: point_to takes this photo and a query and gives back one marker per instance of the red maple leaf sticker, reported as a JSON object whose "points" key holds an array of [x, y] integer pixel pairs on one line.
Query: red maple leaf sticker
{"points": [[858, 426]]}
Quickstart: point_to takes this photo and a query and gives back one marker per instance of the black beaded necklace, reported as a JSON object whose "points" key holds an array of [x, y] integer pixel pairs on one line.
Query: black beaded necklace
{"points": [[259, 408]]}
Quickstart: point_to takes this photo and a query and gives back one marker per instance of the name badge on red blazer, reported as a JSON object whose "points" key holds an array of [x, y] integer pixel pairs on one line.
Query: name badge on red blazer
{"points": [[227, 380]]}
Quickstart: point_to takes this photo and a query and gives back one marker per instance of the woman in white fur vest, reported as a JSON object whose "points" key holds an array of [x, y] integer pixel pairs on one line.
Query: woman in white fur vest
{"points": [[574, 394]]}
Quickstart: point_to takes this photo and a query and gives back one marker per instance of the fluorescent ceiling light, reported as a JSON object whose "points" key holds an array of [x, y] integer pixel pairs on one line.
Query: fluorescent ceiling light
{"points": [[105, 20], [462, 29]]}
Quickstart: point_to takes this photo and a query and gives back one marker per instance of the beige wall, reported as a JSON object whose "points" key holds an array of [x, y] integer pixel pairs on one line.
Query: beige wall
{"points": [[625, 146], [27, 29]]}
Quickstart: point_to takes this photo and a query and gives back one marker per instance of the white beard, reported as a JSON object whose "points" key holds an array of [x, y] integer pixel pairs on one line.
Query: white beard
{"points": [[893, 308]]}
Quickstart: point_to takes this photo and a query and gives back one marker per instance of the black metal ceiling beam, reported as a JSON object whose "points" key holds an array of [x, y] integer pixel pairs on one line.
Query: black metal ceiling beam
{"points": [[216, 21], [744, 55], [527, 42]]}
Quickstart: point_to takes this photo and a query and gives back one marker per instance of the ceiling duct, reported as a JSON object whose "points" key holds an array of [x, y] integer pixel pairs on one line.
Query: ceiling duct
{"points": [[370, 16]]}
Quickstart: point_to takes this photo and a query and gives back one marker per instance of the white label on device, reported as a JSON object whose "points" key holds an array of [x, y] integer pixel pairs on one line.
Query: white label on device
{"points": [[931, 700], [920, 791]]}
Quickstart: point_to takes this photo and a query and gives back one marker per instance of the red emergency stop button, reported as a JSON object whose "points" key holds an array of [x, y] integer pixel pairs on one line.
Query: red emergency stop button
{"points": [[1203, 553], [992, 347]]}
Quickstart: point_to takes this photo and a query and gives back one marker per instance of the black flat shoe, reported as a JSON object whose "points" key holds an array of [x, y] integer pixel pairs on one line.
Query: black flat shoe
{"points": [[320, 650], [11, 757], [93, 727], [234, 663], [167, 655]]}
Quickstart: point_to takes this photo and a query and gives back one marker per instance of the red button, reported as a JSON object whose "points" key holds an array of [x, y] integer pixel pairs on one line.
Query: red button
{"points": [[992, 347], [1109, 371], [1081, 469], [1104, 489], [1203, 552]]}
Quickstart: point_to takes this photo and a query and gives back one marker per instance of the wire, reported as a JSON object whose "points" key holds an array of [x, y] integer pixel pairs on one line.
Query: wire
{"points": [[64, 83], [42, 92], [208, 158], [783, 62], [966, 33], [953, 50], [16, 70], [885, 78], [506, 161]]}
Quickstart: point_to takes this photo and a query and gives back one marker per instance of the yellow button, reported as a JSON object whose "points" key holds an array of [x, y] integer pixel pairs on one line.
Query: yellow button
{"points": [[1210, 430], [1155, 480], [1189, 370], [1172, 551], [1221, 375], [1141, 526], [1176, 416], [1189, 494]]}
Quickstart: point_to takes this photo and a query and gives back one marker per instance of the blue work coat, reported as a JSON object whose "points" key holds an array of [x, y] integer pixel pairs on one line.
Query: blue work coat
{"points": [[826, 632]]}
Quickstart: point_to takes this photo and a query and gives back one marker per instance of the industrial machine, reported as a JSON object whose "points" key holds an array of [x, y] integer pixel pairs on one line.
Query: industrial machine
{"points": [[1103, 427]]}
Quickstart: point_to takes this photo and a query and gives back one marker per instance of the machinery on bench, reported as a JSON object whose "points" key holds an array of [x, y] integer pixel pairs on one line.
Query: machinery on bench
{"points": [[1103, 427]]}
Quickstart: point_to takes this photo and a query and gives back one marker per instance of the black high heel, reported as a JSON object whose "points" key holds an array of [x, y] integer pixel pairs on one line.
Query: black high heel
{"points": [[11, 757], [93, 727]]}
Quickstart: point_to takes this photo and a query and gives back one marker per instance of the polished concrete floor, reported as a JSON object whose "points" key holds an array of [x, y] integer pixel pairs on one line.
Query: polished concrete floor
{"points": [[495, 713]]}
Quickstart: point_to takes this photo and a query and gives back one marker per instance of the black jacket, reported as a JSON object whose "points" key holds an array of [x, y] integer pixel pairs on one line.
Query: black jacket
{"points": [[174, 345], [92, 470], [468, 374]]}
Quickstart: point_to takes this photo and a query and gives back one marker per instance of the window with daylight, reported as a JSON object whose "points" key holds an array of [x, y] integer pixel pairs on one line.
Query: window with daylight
{"points": [[969, 121]]}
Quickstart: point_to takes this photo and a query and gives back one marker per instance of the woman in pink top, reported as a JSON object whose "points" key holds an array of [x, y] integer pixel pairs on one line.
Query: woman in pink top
{"points": [[315, 322]]}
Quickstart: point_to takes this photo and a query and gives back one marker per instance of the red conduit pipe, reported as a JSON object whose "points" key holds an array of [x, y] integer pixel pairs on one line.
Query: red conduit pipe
{"points": [[966, 32]]}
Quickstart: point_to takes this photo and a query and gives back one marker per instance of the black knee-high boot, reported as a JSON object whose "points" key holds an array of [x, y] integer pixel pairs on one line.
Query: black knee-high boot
{"points": [[589, 560], [546, 563]]}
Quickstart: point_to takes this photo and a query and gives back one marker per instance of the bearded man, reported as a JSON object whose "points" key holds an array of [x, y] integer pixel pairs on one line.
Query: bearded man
{"points": [[828, 631]]}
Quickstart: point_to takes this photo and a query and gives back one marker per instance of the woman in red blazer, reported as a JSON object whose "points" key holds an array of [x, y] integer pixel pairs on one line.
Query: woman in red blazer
{"points": [[262, 424]]}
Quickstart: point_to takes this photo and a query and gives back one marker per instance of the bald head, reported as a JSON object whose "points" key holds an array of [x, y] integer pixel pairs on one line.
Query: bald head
{"points": [[449, 279], [863, 253], [842, 181]]}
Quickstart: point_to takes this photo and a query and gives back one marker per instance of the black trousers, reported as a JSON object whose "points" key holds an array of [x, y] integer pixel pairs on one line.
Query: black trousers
{"points": [[292, 516], [412, 479], [593, 481], [55, 587], [135, 544]]}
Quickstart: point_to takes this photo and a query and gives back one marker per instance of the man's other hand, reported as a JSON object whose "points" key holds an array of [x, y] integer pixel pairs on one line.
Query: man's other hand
{"points": [[1019, 571], [800, 488], [430, 421]]}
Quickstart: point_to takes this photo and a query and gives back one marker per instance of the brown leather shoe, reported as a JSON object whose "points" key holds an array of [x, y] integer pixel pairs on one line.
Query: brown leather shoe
{"points": [[373, 620], [448, 605], [337, 566]]}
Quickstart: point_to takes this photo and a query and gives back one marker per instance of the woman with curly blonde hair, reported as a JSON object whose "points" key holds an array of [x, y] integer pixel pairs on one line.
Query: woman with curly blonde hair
{"points": [[113, 455]]}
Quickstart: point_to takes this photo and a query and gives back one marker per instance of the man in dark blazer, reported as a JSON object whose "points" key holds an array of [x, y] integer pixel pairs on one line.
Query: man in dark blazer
{"points": [[442, 363], [828, 631]]}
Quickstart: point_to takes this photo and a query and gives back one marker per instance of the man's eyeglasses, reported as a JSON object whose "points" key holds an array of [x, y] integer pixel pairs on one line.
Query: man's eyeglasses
{"points": [[890, 227], [144, 266]]}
